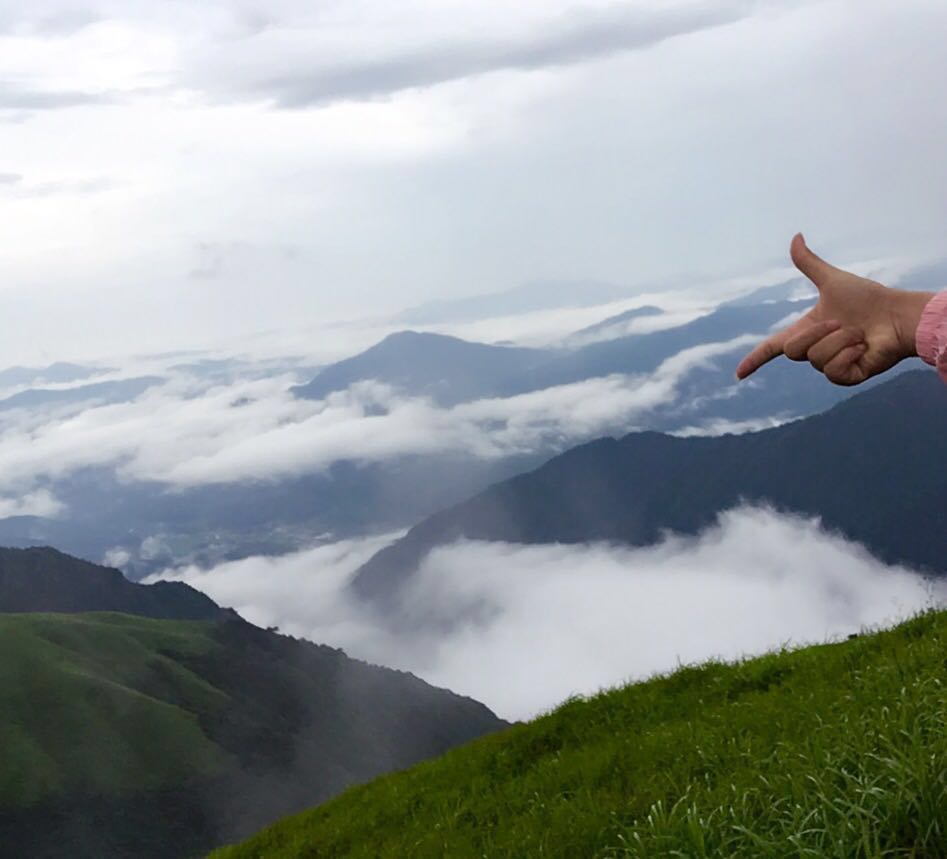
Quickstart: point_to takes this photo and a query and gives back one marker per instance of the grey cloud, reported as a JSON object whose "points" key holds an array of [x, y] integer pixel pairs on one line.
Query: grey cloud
{"points": [[566, 620], [45, 18], [7, 179], [17, 98], [585, 34]]}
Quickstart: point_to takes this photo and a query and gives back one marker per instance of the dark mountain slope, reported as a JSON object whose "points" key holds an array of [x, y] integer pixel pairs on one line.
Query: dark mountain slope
{"points": [[874, 468], [126, 736], [43, 580], [447, 369]]}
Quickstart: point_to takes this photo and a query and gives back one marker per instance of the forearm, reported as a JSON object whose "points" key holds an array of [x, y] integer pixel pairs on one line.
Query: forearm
{"points": [[907, 312]]}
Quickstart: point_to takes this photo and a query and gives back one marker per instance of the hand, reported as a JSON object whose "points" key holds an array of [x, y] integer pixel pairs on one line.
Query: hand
{"points": [[857, 330]]}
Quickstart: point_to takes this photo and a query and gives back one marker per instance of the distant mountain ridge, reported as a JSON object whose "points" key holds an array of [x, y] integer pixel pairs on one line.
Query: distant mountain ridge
{"points": [[452, 370], [612, 323], [101, 513], [117, 390], [42, 579], [873, 468], [61, 372], [446, 369]]}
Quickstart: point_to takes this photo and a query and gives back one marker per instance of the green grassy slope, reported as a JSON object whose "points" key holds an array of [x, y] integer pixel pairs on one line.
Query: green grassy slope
{"points": [[98, 704], [128, 736], [836, 750]]}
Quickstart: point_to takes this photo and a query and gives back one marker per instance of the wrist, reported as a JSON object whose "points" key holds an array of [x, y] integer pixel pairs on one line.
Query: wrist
{"points": [[907, 312]]}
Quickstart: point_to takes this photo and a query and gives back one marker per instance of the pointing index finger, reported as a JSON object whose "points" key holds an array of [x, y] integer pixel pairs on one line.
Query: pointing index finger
{"points": [[771, 347]]}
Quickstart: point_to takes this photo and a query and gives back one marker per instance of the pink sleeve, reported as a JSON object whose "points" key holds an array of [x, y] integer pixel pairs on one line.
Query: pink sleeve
{"points": [[932, 334]]}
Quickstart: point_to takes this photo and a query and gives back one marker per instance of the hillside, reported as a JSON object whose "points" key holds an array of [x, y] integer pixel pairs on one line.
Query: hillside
{"points": [[42, 579], [872, 468], [835, 750], [129, 736], [446, 369]]}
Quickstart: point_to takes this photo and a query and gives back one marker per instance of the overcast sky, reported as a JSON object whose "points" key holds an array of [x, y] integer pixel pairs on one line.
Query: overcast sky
{"points": [[175, 173]]}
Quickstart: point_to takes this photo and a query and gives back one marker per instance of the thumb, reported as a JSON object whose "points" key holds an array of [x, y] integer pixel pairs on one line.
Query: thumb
{"points": [[809, 263]]}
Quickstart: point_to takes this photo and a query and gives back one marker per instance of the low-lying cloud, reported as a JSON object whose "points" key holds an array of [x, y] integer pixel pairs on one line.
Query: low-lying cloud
{"points": [[524, 627], [190, 432]]}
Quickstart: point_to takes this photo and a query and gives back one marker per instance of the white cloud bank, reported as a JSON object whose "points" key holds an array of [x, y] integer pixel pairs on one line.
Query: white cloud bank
{"points": [[545, 622], [188, 432]]}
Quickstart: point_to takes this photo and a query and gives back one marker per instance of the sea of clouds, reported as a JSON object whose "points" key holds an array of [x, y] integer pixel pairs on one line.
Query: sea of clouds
{"points": [[522, 628], [188, 431]]}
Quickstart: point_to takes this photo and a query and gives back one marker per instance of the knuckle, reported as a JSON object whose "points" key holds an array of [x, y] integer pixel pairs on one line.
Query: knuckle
{"points": [[839, 376], [794, 353]]}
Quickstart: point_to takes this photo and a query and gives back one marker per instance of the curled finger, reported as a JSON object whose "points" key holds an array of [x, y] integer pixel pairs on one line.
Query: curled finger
{"points": [[799, 344], [844, 368], [828, 347]]}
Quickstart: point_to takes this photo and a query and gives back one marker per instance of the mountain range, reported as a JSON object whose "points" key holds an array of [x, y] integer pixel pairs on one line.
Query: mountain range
{"points": [[452, 370], [146, 525], [871, 468]]}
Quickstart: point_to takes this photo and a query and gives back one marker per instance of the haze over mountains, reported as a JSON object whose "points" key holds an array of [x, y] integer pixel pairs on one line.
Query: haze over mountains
{"points": [[190, 459], [368, 391], [583, 497]]}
